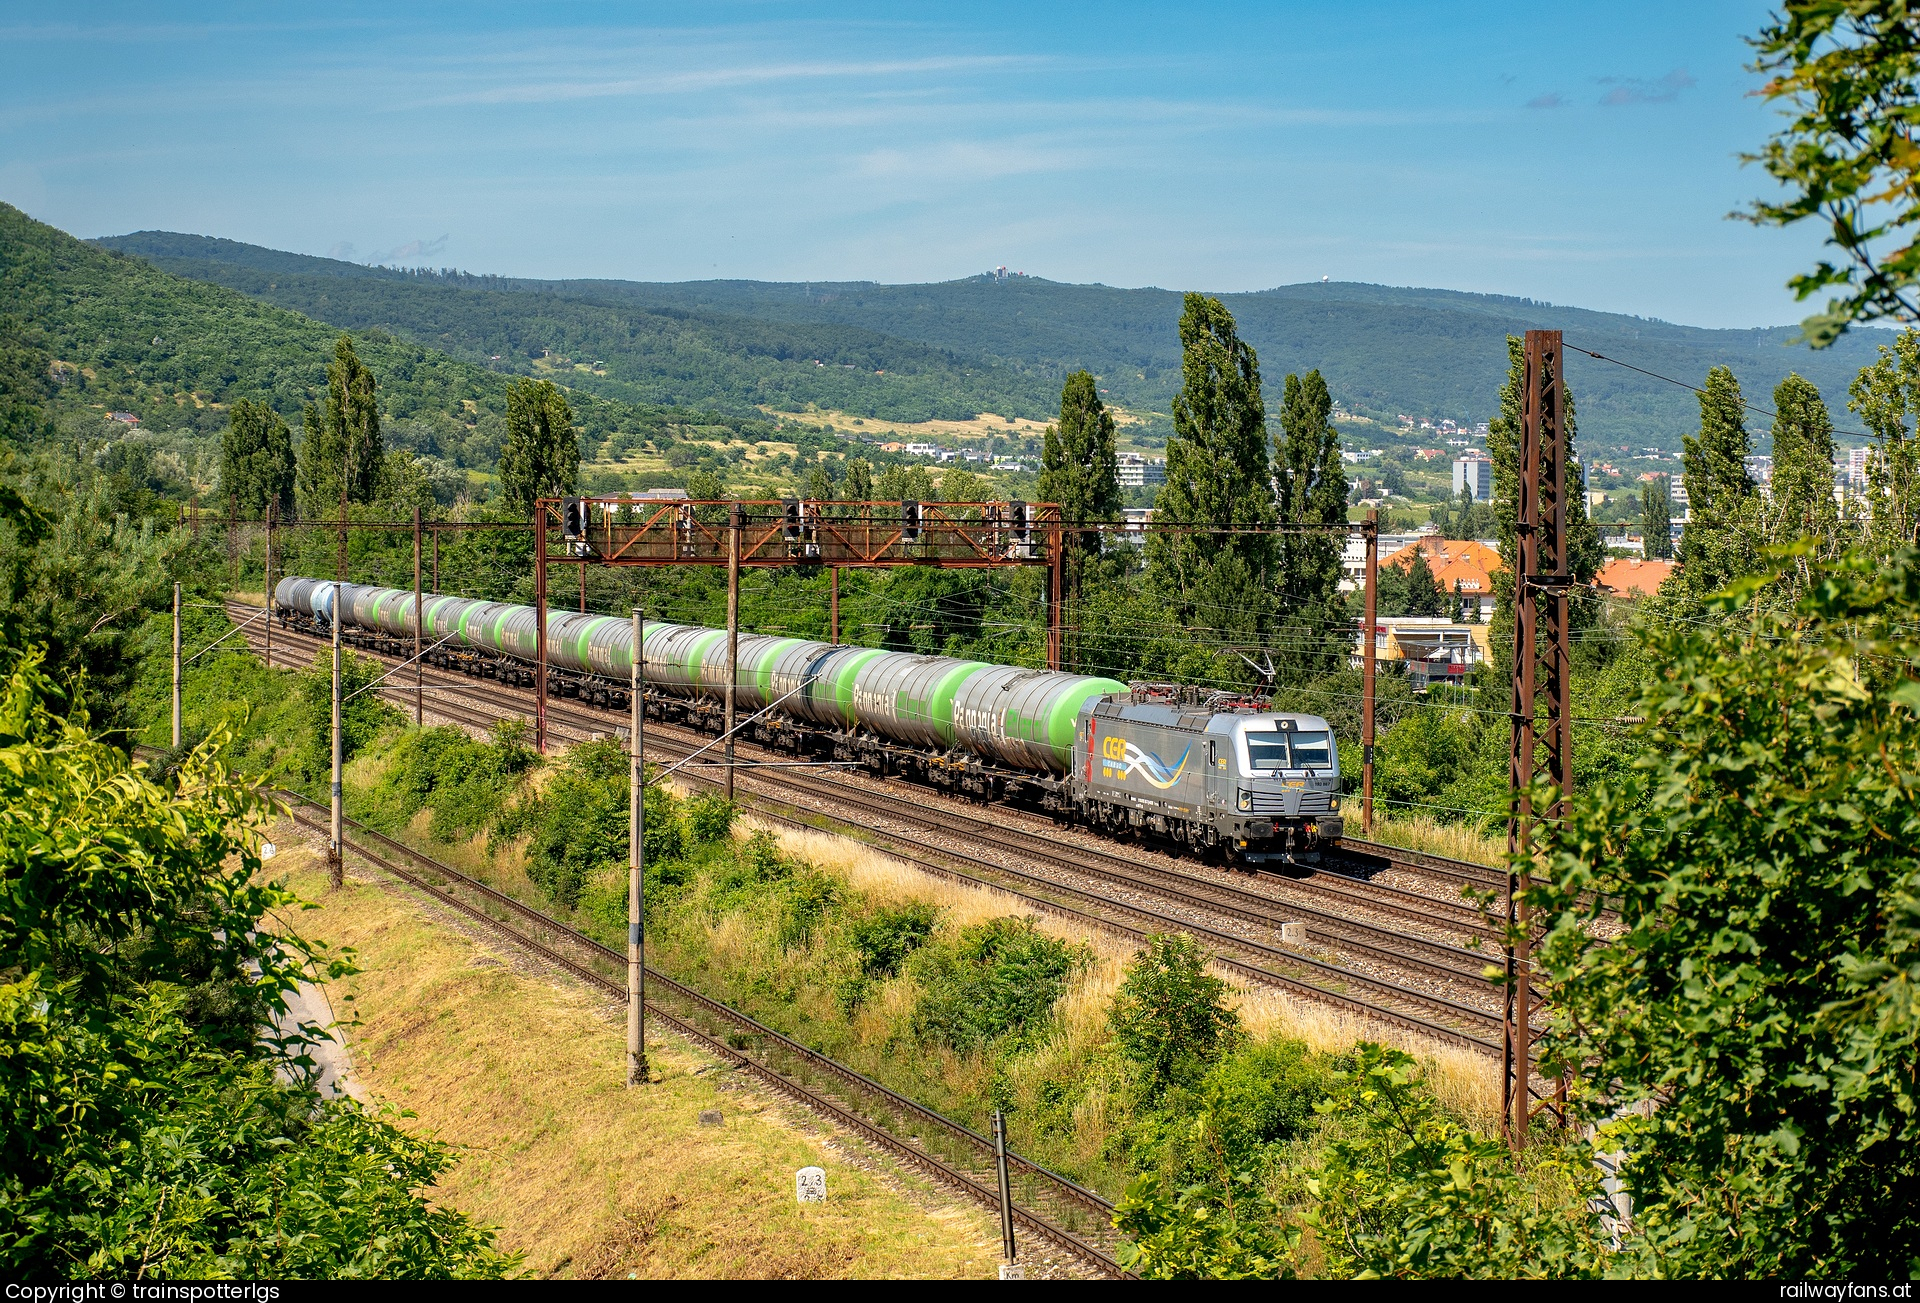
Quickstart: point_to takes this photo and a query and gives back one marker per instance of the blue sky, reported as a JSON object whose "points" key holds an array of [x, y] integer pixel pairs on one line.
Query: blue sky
{"points": [[1582, 154]]}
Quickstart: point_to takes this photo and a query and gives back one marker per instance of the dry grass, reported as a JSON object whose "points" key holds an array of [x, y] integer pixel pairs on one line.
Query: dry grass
{"points": [[1456, 841], [1464, 1081], [523, 1073]]}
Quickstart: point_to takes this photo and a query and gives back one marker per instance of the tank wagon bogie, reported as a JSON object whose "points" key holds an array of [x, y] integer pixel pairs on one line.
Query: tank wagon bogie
{"points": [[1209, 773]]}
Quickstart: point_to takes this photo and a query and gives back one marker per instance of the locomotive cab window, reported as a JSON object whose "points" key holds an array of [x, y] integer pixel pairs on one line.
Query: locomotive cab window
{"points": [[1312, 751], [1267, 750]]}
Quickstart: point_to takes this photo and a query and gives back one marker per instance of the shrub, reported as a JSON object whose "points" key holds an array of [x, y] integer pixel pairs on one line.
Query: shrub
{"points": [[1170, 1017], [1407, 1192], [709, 818], [363, 715], [887, 936], [999, 979]]}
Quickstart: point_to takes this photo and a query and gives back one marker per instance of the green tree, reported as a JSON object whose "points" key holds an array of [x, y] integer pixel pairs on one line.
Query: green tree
{"points": [[859, 480], [1218, 474], [1656, 519], [819, 485], [1080, 470], [1802, 504], [1170, 1016], [1718, 541], [1887, 397], [1423, 592], [1313, 491], [906, 482], [1847, 77], [256, 460], [352, 418], [541, 458], [1406, 1192], [157, 1122], [1750, 1020]]}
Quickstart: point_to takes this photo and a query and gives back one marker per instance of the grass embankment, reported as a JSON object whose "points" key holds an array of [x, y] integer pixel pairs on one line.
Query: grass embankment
{"points": [[947, 993], [586, 1177]]}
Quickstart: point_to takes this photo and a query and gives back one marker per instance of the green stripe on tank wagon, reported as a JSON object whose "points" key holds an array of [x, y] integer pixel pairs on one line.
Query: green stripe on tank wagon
{"points": [[763, 672], [841, 684], [940, 704], [580, 646], [1065, 714], [697, 655]]}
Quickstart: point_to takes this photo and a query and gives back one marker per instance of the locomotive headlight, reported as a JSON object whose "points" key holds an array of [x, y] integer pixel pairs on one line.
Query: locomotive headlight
{"points": [[1246, 800], [1334, 805]]}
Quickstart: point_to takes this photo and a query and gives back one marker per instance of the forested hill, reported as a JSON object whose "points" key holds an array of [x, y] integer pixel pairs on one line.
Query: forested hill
{"points": [[667, 354], [979, 344], [121, 334]]}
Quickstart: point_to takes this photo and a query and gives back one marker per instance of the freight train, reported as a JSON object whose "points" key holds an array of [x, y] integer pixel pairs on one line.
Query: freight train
{"points": [[1212, 772]]}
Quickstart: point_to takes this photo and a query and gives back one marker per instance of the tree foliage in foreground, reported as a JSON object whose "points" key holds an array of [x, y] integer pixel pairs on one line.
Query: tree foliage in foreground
{"points": [[1847, 76], [1762, 999], [146, 1131]]}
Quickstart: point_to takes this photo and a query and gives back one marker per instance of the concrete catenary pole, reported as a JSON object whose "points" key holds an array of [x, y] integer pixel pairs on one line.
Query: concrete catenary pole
{"points": [[268, 581], [1369, 641], [733, 632], [176, 665], [637, 870], [419, 673], [540, 627], [336, 845]]}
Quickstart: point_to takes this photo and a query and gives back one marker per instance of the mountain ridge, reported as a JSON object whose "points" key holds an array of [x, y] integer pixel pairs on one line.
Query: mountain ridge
{"points": [[980, 344]]}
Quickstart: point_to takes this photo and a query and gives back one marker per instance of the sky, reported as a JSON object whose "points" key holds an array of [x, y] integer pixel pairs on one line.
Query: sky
{"points": [[1583, 154]]}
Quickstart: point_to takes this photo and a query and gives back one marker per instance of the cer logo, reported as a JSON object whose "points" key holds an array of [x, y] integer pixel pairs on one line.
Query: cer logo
{"points": [[1113, 748]]}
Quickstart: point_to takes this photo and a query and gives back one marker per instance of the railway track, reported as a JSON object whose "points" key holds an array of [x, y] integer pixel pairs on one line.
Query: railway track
{"points": [[1427, 1012], [1063, 1213]]}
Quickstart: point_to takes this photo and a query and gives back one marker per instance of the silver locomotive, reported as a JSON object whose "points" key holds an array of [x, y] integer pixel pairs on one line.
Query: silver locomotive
{"points": [[1210, 772]]}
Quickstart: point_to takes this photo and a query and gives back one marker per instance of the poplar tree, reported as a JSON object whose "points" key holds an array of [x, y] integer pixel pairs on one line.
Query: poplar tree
{"points": [[1887, 397], [1717, 544], [1313, 491], [1802, 487], [541, 457], [256, 459], [352, 421], [317, 468], [1656, 519], [1218, 474], [1080, 470]]}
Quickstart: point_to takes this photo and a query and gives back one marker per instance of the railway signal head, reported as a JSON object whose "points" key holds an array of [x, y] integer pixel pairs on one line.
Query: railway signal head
{"points": [[910, 522], [573, 517]]}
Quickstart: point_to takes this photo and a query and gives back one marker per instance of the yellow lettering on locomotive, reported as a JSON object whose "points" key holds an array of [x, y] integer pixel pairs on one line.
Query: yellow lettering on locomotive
{"points": [[1113, 747]]}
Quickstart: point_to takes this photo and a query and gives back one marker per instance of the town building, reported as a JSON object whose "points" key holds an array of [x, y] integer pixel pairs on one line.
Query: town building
{"points": [[1631, 577], [1431, 649], [1474, 474], [1459, 567], [1137, 472]]}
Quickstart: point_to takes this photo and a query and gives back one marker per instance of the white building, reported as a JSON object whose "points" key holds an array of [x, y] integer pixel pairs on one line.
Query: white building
{"points": [[1137, 472], [1474, 474], [921, 449]]}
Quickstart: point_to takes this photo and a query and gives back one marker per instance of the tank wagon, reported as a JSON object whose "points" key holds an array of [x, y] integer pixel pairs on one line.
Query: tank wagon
{"points": [[1208, 771]]}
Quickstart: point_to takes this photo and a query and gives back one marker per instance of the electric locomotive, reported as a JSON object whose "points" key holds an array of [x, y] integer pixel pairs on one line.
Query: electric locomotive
{"points": [[1212, 772]]}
